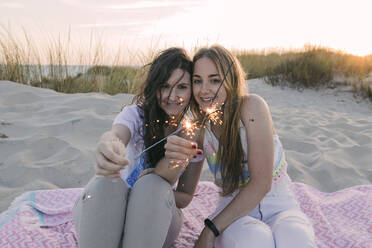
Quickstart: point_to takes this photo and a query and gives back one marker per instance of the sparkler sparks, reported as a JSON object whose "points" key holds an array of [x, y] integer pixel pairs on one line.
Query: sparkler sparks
{"points": [[214, 115], [189, 128]]}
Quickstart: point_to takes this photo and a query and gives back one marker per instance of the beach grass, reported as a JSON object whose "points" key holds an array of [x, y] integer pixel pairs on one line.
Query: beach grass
{"points": [[69, 69], [310, 67], [64, 68]]}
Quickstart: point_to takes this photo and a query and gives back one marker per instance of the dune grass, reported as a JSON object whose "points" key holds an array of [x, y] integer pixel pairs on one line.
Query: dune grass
{"points": [[310, 67], [53, 66]]}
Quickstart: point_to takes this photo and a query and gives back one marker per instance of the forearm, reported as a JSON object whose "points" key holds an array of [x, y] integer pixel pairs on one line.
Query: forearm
{"points": [[108, 136], [114, 136], [182, 199], [167, 171], [244, 202], [187, 184]]}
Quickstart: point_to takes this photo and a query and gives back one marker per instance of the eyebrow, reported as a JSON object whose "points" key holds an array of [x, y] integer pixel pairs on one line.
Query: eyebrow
{"points": [[210, 75], [178, 83]]}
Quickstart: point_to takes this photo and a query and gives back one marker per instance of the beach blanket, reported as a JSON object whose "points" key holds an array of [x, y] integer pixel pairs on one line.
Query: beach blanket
{"points": [[43, 218]]}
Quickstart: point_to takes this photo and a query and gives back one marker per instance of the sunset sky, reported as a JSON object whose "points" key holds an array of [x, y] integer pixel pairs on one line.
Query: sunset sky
{"points": [[236, 24]]}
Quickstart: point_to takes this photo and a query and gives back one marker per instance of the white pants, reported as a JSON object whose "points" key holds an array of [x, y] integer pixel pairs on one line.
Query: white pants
{"points": [[276, 222]]}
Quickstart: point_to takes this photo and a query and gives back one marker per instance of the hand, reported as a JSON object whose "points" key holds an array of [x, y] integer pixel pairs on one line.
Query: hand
{"points": [[206, 239], [109, 156], [179, 151]]}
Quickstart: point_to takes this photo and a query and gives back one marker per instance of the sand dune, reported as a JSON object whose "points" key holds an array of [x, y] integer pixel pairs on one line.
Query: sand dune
{"points": [[47, 138]]}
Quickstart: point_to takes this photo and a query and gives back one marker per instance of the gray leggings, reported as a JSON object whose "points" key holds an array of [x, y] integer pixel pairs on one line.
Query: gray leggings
{"points": [[110, 215]]}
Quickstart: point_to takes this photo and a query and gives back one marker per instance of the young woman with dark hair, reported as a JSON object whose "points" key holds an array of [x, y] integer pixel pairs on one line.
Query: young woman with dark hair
{"points": [[141, 209]]}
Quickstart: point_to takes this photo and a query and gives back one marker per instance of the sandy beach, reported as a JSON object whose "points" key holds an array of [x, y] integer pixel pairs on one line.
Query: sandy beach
{"points": [[47, 138]]}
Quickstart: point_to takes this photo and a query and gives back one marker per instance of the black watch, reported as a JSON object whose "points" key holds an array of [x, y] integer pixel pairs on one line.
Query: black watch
{"points": [[208, 223]]}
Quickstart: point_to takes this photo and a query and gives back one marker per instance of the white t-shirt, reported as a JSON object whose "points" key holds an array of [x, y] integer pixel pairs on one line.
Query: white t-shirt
{"points": [[130, 116]]}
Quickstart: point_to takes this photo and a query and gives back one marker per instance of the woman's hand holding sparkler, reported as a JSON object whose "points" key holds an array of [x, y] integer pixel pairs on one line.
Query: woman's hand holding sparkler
{"points": [[179, 151], [110, 156]]}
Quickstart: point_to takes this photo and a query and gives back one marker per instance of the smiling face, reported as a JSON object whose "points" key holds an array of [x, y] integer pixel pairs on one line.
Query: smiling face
{"points": [[206, 81], [174, 96]]}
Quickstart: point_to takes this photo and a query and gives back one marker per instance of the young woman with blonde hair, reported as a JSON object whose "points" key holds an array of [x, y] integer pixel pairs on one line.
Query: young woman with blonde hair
{"points": [[256, 207]]}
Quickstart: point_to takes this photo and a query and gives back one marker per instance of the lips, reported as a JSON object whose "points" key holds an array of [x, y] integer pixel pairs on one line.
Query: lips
{"points": [[206, 99]]}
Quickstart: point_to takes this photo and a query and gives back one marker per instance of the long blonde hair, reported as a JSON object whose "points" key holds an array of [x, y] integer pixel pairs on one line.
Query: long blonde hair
{"points": [[230, 153]]}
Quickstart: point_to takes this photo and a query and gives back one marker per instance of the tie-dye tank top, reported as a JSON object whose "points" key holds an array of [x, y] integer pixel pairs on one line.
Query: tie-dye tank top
{"points": [[211, 147]]}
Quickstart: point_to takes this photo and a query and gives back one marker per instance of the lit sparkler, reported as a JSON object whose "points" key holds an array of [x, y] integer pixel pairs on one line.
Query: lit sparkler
{"points": [[189, 128], [214, 115]]}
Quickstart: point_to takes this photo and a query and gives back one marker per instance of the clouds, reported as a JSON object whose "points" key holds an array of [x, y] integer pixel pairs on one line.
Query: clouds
{"points": [[151, 5], [130, 5], [131, 16], [12, 5], [235, 23], [136, 18]]}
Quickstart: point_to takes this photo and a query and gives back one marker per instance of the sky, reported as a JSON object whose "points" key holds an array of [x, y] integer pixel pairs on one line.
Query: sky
{"points": [[235, 24]]}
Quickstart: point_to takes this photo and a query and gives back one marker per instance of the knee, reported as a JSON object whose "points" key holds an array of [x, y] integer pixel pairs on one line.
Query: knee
{"points": [[101, 191], [294, 229], [106, 186], [260, 235], [152, 186], [151, 182], [252, 233]]}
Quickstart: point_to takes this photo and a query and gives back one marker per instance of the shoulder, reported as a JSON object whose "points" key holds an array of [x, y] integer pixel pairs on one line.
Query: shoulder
{"points": [[255, 114], [132, 111], [254, 104], [130, 116], [257, 120]]}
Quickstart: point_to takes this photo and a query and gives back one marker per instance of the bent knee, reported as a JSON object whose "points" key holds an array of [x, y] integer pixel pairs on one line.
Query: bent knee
{"points": [[151, 181], [247, 231], [104, 189], [291, 219], [293, 229], [152, 186], [259, 233]]}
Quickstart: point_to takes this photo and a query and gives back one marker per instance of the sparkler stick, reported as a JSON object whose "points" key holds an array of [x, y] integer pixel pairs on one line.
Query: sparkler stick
{"points": [[158, 142]]}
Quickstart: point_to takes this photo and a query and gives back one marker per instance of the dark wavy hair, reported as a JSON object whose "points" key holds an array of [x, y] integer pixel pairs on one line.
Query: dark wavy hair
{"points": [[154, 117]]}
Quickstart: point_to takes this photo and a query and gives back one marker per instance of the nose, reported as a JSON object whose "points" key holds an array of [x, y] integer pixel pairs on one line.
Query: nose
{"points": [[204, 87], [172, 96]]}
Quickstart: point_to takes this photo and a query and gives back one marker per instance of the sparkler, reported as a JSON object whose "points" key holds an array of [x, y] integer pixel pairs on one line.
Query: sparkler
{"points": [[214, 115], [189, 128]]}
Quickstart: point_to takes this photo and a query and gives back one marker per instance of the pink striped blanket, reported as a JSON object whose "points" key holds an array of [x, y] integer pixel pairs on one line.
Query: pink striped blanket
{"points": [[43, 218]]}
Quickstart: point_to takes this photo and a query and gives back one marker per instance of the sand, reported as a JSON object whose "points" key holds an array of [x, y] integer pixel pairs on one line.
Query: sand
{"points": [[47, 138]]}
